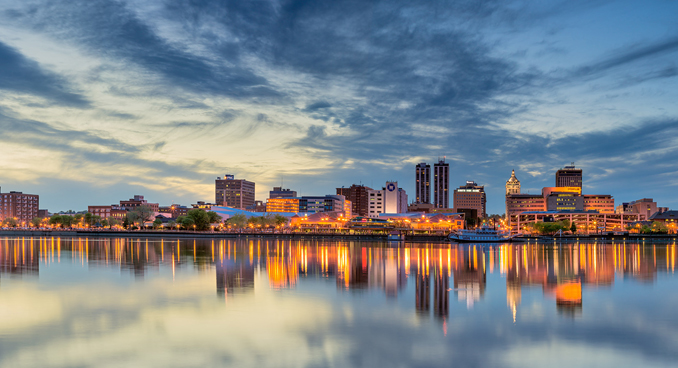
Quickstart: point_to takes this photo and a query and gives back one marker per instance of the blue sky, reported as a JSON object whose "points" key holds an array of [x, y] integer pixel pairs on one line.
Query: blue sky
{"points": [[104, 99]]}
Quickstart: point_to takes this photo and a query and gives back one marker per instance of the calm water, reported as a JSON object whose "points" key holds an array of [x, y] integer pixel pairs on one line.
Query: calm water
{"points": [[260, 303]]}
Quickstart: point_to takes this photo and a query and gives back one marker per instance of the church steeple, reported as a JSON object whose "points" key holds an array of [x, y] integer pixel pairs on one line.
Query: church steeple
{"points": [[513, 184]]}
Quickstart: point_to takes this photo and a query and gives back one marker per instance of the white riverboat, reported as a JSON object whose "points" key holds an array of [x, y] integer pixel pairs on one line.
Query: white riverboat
{"points": [[484, 234]]}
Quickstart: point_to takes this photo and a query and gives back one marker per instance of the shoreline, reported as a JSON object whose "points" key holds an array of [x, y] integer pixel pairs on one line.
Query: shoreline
{"points": [[567, 239]]}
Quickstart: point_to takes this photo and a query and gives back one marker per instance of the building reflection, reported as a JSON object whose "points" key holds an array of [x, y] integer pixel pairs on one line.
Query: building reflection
{"points": [[563, 272]]}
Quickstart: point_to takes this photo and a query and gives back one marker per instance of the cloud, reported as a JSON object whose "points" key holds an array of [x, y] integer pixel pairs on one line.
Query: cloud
{"points": [[622, 58], [22, 75], [107, 28]]}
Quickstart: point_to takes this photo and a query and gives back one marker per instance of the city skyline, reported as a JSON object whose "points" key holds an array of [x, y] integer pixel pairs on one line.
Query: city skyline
{"points": [[102, 99]]}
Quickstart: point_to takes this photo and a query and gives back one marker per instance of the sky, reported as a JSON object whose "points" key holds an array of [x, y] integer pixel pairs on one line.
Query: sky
{"points": [[104, 99]]}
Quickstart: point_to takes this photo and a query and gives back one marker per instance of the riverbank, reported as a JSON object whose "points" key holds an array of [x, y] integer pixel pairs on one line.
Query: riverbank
{"points": [[599, 238], [213, 235], [565, 239]]}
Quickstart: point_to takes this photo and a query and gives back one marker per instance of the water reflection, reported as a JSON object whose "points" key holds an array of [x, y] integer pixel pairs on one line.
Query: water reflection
{"points": [[560, 271], [440, 284]]}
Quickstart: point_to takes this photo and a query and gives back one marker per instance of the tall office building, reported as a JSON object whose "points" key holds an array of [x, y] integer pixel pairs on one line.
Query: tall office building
{"points": [[441, 184], [569, 176], [359, 197], [231, 192], [423, 183]]}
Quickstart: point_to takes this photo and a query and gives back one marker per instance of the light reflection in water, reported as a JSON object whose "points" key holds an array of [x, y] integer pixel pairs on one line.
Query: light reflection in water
{"points": [[438, 284], [560, 270]]}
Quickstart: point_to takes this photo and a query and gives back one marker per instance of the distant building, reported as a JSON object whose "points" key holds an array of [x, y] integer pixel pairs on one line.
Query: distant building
{"points": [[603, 203], [569, 176], [562, 200], [119, 211], [175, 210], [519, 203], [390, 199], [441, 184], [279, 192], [328, 203], [258, 206], [136, 202], [309, 204], [359, 197], [669, 218], [513, 184], [282, 205], [423, 183], [471, 196], [22, 207], [43, 213], [236, 193], [646, 206], [203, 205], [420, 207]]}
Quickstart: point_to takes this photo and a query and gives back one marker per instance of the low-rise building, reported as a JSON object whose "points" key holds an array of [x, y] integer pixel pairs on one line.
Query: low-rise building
{"points": [[282, 205], [645, 206], [669, 218], [586, 222]]}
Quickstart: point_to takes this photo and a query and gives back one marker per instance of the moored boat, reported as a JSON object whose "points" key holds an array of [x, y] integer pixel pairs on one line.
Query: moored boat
{"points": [[484, 234]]}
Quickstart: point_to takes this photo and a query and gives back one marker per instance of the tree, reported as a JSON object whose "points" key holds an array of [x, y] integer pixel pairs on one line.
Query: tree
{"points": [[112, 221], [104, 223], [237, 221], [185, 222], [67, 221], [659, 227], [573, 228], [547, 228], [56, 219], [280, 220], [214, 217], [140, 215], [10, 222], [89, 219], [157, 223], [36, 221], [125, 222], [200, 218], [172, 224]]}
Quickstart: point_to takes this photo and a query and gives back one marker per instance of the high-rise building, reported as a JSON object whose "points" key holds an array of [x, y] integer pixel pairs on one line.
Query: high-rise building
{"points": [[423, 183], [513, 184], [569, 176], [471, 197], [279, 192], [390, 199], [441, 184], [231, 192], [22, 207], [359, 197]]}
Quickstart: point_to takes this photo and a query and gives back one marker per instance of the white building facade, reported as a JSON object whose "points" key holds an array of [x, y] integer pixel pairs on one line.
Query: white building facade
{"points": [[390, 199]]}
